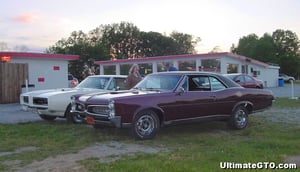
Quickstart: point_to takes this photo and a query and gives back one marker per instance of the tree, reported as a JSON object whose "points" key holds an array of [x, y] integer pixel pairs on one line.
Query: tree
{"points": [[282, 48], [121, 41], [80, 44], [186, 43], [247, 45]]}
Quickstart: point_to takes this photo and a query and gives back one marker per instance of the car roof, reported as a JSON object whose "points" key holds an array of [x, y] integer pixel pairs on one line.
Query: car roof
{"points": [[114, 76], [234, 74], [225, 79]]}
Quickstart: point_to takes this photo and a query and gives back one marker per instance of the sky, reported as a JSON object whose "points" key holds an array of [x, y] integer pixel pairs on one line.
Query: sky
{"points": [[39, 24]]}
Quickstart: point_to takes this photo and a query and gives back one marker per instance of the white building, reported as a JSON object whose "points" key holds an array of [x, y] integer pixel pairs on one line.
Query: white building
{"points": [[45, 71], [215, 62]]}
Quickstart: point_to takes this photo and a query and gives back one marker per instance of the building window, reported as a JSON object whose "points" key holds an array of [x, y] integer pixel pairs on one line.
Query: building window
{"points": [[232, 68], [110, 70], [145, 68], [210, 65], [187, 65], [124, 68], [245, 69]]}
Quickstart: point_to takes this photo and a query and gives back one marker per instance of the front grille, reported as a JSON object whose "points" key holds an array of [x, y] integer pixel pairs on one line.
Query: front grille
{"points": [[99, 110], [40, 101], [25, 99]]}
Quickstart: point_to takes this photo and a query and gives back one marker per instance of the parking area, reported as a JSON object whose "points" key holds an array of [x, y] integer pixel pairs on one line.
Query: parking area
{"points": [[286, 91], [12, 113]]}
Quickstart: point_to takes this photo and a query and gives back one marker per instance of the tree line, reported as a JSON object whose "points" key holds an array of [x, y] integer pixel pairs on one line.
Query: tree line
{"points": [[121, 41], [279, 48]]}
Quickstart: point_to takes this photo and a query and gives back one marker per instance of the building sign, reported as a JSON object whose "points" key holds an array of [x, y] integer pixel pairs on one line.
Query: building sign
{"points": [[56, 68], [5, 58], [41, 79]]}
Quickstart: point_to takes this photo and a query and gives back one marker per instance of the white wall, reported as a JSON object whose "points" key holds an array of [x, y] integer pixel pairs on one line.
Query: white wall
{"points": [[270, 76], [54, 72]]}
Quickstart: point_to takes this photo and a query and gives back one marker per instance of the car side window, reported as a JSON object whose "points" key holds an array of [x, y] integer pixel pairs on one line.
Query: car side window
{"points": [[120, 82], [216, 84], [117, 84], [199, 83], [248, 79], [240, 79]]}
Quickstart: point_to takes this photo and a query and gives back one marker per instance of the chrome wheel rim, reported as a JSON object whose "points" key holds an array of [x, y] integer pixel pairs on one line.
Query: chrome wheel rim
{"points": [[241, 118], [145, 125]]}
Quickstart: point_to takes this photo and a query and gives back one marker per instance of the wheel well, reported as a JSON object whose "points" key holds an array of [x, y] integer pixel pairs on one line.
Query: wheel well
{"points": [[247, 105], [67, 109]]}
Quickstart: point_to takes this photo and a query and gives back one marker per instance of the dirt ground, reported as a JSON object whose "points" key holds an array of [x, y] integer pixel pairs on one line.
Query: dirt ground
{"points": [[105, 152]]}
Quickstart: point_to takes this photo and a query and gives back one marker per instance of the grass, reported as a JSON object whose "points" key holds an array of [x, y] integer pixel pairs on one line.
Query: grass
{"points": [[286, 103], [194, 147]]}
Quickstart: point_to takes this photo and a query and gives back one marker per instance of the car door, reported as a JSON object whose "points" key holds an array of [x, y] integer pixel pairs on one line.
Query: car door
{"points": [[197, 100]]}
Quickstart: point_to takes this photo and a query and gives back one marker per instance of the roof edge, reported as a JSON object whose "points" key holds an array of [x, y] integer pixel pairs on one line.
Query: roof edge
{"points": [[39, 55]]}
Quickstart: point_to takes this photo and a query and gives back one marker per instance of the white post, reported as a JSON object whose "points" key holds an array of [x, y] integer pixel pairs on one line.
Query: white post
{"points": [[292, 90], [26, 85]]}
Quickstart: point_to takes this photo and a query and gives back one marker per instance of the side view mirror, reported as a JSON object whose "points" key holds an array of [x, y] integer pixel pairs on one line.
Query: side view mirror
{"points": [[180, 90]]}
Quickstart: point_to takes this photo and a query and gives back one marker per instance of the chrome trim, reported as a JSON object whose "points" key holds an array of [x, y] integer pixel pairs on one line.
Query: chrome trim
{"points": [[96, 114], [195, 119]]}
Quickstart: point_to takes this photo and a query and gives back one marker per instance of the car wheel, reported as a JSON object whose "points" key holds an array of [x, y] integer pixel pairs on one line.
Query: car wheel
{"points": [[145, 125], [73, 117], [239, 118], [48, 118]]}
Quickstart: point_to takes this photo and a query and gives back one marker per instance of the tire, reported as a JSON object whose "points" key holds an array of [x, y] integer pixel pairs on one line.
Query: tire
{"points": [[73, 117], [145, 125], [48, 117], [239, 118]]}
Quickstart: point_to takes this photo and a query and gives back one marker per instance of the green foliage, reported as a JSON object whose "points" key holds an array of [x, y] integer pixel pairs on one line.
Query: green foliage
{"points": [[282, 48], [120, 41]]}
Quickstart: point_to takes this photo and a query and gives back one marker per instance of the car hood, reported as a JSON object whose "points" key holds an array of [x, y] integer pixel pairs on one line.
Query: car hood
{"points": [[103, 98], [60, 91]]}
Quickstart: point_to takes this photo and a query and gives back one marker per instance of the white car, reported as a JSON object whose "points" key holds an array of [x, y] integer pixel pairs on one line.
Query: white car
{"points": [[52, 103]]}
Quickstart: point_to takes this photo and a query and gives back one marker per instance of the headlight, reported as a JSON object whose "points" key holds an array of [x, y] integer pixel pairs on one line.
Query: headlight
{"points": [[72, 100], [111, 107]]}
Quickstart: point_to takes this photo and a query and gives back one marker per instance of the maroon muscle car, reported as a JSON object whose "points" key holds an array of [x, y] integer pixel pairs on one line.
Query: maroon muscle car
{"points": [[173, 97]]}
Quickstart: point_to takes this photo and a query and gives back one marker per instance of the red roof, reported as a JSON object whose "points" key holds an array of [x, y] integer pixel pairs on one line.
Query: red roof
{"points": [[173, 57], [39, 55]]}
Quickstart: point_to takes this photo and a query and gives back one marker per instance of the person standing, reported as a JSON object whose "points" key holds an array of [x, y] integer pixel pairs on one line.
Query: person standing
{"points": [[134, 76], [170, 67]]}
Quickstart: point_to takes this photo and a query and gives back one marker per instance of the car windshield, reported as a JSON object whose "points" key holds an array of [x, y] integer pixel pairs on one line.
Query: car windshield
{"points": [[94, 82], [158, 82], [231, 76]]}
